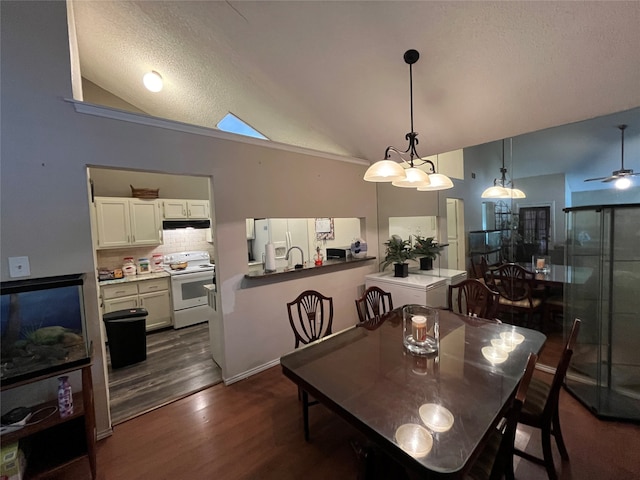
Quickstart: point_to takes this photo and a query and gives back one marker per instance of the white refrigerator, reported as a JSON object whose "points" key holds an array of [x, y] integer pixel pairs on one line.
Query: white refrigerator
{"points": [[284, 233]]}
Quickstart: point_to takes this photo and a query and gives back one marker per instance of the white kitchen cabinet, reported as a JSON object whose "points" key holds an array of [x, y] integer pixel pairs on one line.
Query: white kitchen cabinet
{"points": [[153, 295], [123, 222], [417, 289], [158, 306], [155, 298], [177, 209], [145, 222], [251, 229]]}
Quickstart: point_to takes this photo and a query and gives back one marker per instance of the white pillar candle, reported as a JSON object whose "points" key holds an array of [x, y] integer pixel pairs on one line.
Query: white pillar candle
{"points": [[419, 328]]}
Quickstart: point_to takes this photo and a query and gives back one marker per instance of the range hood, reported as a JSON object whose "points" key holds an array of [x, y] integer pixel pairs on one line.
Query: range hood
{"points": [[176, 224]]}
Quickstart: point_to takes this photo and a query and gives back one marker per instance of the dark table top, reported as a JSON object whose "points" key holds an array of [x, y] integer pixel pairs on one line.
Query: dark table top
{"points": [[367, 377], [558, 275]]}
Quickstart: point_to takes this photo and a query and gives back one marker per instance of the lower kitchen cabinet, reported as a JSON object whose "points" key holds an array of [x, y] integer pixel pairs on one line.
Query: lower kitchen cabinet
{"points": [[153, 295]]}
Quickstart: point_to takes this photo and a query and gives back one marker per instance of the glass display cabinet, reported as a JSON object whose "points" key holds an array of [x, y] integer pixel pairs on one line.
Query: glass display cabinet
{"points": [[605, 368]]}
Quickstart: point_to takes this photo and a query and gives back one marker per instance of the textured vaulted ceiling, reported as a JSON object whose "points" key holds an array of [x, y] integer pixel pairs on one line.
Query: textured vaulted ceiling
{"points": [[330, 75]]}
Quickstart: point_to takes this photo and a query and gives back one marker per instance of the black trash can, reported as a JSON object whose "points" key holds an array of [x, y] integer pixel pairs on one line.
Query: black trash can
{"points": [[127, 336]]}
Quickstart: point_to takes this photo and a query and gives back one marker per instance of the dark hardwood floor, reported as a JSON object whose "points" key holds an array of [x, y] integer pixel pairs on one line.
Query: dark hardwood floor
{"points": [[178, 363], [253, 430]]}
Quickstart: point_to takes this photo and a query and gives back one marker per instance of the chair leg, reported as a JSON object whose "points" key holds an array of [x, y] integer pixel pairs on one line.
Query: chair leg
{"points": [[547, 454], [364, 457], [305, 414], [508, 469], [558, 434]]}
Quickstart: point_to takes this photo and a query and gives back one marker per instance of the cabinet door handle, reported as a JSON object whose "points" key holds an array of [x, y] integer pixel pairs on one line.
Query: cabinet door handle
{"points": [[120, 291], [154, 287]]}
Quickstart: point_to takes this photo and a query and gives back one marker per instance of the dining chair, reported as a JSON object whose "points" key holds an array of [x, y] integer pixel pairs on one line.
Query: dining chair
{"points": [[541, 408], [371, 307], [496, 459], [311, 318], [479, 269], [473, 298], [516, 286]]}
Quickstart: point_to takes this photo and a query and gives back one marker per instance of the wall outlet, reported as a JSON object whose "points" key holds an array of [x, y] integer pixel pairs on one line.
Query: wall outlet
{"points": [[19, 267]]}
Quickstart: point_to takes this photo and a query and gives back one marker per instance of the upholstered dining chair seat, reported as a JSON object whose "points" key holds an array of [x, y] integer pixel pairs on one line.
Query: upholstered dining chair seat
{"points": [[536, 397], [524, 303]]}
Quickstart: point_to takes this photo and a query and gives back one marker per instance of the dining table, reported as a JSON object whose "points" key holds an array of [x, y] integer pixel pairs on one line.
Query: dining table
{"points": [[431, 414], [559, 275]]}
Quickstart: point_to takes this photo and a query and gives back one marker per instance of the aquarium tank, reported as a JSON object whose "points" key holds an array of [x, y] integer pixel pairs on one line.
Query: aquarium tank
{"points": [[42, 326]]}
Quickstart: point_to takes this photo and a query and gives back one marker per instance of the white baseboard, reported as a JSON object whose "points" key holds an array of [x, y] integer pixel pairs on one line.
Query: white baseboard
{"points": [[253, 371], [104, 433]]}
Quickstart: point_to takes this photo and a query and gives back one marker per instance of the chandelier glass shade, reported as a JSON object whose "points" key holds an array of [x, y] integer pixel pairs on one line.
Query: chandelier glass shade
{"points": [[384, 171], [387, 170], [438, 182], [414, 178], [502, 188]]}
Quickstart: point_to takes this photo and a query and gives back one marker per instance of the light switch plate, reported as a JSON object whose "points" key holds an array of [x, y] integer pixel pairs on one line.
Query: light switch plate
{"points": [[19, 267]]}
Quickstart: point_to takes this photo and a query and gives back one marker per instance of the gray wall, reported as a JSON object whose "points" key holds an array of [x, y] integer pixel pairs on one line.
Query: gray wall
{"points": [[47, 146]]}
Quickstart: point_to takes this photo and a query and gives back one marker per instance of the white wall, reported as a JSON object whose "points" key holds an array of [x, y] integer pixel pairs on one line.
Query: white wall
{"points": [[46, 147]]}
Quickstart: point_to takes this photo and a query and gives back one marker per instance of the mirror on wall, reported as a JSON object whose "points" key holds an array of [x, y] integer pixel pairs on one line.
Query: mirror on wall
{"points": [[550, 166], [407, 227], [307, 234]]}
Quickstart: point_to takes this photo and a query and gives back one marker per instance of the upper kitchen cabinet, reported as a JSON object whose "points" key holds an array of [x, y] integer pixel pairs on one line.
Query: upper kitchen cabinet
{"points": [[173, 209], [123, 222], [251, 230]]}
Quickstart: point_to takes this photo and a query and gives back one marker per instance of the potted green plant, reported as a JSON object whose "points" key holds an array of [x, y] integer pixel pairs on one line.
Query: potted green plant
{"points": [[398, 252], [427, 249]]}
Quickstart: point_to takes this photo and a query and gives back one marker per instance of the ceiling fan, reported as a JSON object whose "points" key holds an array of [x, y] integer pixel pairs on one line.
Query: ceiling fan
{"points": [[621, 177]]}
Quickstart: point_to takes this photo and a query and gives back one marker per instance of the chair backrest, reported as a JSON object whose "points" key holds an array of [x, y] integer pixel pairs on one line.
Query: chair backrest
{"points": [[474, 299], [512, 281], [310, 316], [479, 269], [561, 370], [373, 304], [504, 458]]}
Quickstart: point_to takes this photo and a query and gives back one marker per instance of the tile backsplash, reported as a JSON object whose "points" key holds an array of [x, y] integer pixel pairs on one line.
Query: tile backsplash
{"points": [[174, 241]]}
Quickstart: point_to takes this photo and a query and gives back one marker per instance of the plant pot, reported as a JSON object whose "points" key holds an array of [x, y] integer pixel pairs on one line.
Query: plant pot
{"points": [[401, 269], [426, 263]]}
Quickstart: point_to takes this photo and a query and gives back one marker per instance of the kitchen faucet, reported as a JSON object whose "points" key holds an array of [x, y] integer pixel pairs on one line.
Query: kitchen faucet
{"points": [[286, 257]]}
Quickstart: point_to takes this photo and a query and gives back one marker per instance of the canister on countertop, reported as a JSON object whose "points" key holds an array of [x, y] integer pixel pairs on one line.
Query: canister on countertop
{"points": [[143, 265], [128, 267], [157, 263]]}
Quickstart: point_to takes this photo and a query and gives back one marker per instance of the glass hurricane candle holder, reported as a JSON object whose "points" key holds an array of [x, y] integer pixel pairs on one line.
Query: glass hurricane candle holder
{"points": [[420, 330]]}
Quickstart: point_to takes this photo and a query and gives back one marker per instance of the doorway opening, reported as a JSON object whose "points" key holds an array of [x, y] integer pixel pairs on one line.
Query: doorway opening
{"points": [[179, 361], [534, 228]]}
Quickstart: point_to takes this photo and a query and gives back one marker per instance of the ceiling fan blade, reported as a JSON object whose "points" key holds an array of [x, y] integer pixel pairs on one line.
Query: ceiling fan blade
{"points": [[611, 178], [594, 179]]}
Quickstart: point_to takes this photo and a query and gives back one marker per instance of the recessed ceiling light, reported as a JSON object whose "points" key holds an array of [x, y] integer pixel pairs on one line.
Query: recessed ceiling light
{"points": [[153, 81]]}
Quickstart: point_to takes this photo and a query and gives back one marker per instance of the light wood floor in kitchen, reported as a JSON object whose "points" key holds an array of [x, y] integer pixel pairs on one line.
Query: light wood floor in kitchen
{"points": [[178, 363]]}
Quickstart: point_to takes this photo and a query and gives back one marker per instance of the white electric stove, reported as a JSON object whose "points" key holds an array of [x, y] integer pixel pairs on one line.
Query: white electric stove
{"points": [[190, 305]]}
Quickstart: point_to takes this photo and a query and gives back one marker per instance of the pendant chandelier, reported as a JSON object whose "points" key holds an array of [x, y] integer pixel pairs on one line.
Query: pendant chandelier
{"points": [[502, 188], [388, 170]]}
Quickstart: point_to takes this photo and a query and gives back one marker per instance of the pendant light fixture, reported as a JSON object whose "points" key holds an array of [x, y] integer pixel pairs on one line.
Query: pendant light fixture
{"points": [[387, 170], [502, 188]]}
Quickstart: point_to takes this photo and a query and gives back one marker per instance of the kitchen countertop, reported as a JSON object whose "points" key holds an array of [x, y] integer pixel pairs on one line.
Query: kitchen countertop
{"points": [[412, 280], [135, 278], [328, 265]]}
